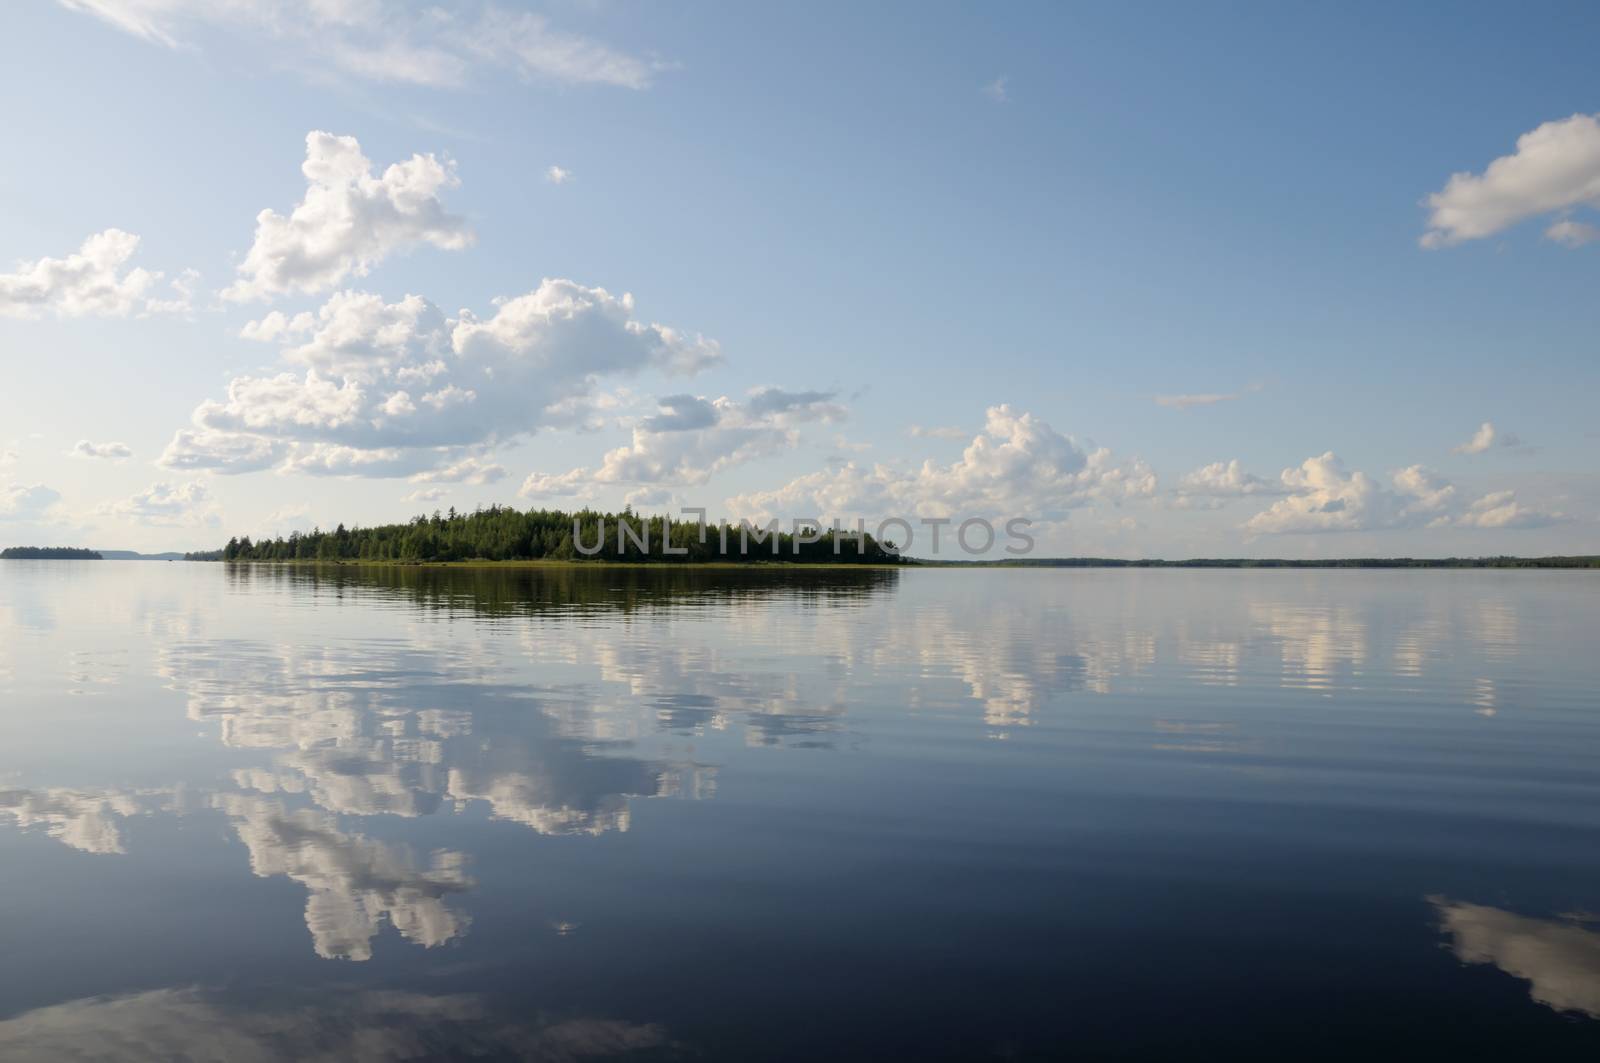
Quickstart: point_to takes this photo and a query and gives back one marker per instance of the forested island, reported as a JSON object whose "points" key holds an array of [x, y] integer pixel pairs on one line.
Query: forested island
{"points": [[49, 553], [503, 533], [1576, 561]]}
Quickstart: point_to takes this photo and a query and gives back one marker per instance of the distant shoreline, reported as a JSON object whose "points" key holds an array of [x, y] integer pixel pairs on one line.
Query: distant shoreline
{"points": [[1556, 562]]}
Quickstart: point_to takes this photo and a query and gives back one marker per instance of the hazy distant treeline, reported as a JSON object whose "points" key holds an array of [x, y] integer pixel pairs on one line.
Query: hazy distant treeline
{"points": [[502, 533], [49, 553]]}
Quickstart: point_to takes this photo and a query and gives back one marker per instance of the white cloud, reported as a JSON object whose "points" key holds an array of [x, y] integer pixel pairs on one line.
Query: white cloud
{"points": [[564, 485], [1555, 167], [395, 389], [918, 431], [1485, 438], [557, 176], [349, 221], [691, 438], [277, 325], [1573, 234], [432, 46], [1214, 484], [425, 494], [166, 504], [222, 452], [996, 90], [1017, 466], [1324, 496], [91, 281], [108, 451], [26, 502], [468, 470], [1501, 509], [1184, 402]]}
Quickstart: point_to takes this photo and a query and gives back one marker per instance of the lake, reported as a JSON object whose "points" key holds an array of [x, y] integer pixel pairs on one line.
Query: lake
{"points": [[574, 814]]}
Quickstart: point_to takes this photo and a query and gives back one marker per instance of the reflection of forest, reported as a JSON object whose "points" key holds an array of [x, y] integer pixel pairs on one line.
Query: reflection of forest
{"points": [[507, 591]]}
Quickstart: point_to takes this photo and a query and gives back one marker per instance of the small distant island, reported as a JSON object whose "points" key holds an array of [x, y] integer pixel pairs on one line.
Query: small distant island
{"points": [[49, 553]]}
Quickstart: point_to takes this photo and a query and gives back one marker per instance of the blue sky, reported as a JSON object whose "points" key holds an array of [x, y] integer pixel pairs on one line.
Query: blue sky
{"points": [[969, 248]]}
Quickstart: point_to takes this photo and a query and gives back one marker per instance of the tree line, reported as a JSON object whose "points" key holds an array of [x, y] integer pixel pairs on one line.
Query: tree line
{"points": [[504, 533], [49, 553]]}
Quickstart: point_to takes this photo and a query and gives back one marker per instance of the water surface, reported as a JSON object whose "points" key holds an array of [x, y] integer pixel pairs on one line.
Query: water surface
{"points": [[591, 814]]}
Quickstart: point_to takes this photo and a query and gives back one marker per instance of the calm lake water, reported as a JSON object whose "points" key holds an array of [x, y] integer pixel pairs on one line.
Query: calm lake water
{"points": [[572, 815]]}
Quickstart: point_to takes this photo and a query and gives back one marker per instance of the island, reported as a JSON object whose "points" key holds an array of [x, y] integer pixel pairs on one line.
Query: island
{"points": [[49, 553], [507, 534]]}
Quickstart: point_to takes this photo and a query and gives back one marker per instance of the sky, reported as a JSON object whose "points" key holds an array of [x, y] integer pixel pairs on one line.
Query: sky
{"points": [[1286, 280]]}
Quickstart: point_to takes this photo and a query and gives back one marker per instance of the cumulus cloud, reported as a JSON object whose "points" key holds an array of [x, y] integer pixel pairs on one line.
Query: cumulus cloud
{"points": [[1215, 484], [222, 452], [557, 176], [691, 438], [26, 502], [108, 451], [184, 504], [996, 90], [1555, 167], [1500, 509], [468, 470], [371, 388], [1017, 466], [1325, 496], [94, 280], [1486, 438], [349, 220], [431, 46]]}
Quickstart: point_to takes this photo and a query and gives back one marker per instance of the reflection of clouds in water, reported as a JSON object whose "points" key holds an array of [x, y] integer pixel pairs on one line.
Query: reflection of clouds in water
{"points": [[384, 729], [355, 881], [85, 820], [1210, 662], [1315, 642], [336, 1025], [1560, 959]]}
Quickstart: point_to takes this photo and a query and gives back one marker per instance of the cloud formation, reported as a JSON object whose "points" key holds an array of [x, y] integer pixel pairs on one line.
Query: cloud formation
{"points": [[1556, 167], [93, 281], [372, 388], [107, 451], [1221, 481], [436, 46], [349, 220], [1485, 438], [1016, 466], [173, 505], [691, 438], [1322, 495], [26, 502]]}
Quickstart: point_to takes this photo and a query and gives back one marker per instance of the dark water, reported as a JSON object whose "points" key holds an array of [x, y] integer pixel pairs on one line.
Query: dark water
{"points": [[582, 815]]}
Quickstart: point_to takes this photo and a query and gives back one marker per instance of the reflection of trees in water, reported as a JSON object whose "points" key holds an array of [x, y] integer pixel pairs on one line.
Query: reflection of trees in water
{"points": [[572, 589]]}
